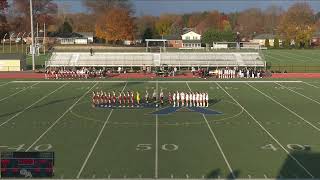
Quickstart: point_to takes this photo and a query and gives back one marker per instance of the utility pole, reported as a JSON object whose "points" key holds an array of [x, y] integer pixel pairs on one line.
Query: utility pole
{"points": [[44, 38], [4, 39], [32, 36]]}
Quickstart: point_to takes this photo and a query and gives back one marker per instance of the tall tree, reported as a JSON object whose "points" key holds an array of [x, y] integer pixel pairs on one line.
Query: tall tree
{"points": [[115, 25], [99, 6], [4, 26], [249, 22], [44, 11], [298, 24], [163, 25]]}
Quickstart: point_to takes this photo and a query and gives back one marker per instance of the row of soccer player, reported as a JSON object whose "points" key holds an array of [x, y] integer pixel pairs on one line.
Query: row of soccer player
{"points": [[242, 73], [83, 73], [189, 99], [176, 99]]}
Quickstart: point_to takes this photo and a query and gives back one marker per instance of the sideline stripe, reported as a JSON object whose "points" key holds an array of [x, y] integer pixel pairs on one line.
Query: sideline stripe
{"points": [[182, 81], [18, 92], [292, 112], [299, 94], [265, 130], [217, 142], [53, 124], [311, 85], [97, 139], [4, 84], [16, 115]]}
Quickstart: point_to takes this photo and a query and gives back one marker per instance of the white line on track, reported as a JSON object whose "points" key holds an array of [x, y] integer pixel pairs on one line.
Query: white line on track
{"points": [[97, 139], [311, 85], [270, 135], [315, 101], [291, 111], [53, 124], [19, 91], [20, 112], [4, 84], [173, 81], [217, 142]]}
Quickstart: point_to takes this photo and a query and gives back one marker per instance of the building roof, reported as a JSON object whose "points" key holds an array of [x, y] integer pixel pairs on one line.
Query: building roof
{"points": [[265, 36], [85, 34], [12, 56], [172, 37]]}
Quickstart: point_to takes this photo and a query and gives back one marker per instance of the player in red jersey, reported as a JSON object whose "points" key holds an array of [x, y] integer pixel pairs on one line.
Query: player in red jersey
{"points": [[114, 98], [109, 99], [128, 98], [120, 99], [124, 99]]}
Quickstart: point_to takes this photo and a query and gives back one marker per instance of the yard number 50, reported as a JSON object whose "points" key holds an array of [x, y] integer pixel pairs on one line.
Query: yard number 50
{"points": [[165, 147]]}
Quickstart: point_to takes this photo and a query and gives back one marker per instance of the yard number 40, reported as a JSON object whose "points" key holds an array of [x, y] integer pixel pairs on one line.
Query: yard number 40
{"points": [[165, 147], [296, 147]]}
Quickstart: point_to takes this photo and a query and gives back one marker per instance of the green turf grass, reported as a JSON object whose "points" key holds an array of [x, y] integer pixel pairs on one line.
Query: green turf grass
{"points": [[256, 141]]}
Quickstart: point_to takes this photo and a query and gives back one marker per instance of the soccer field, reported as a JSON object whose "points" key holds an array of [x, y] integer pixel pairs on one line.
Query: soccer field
{"points": [[265, 129]]}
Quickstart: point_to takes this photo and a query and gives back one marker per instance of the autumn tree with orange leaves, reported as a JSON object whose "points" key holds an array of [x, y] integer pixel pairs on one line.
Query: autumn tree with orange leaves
{"points": [[115, 25]]}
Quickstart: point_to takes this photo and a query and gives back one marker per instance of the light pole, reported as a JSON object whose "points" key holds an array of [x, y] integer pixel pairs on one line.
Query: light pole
{"points": [[4, 39], [32, 36]]}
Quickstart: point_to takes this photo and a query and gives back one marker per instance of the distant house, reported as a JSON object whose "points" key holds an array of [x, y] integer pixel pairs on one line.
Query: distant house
{"points": [[76, 38], [191, 40], [316, 39], [174, 41], [261, 38]]}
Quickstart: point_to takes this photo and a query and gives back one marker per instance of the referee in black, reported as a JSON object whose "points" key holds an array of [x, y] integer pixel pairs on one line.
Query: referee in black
{"points": [[91, 51]]}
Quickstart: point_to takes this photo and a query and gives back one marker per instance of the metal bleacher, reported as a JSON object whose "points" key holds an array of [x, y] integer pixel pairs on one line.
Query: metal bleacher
{"points": [[186, 59]]}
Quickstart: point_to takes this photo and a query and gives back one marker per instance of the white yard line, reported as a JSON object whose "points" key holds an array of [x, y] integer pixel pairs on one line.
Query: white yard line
{"points": [[217, 142], [53, 124], [315, 101], [96, 141], [291, 111], [311, 85], [156, 149], [18, 92], [4, 84], [174, 81], [220, 149], [157, 146], [265, 130], [17, 114]]}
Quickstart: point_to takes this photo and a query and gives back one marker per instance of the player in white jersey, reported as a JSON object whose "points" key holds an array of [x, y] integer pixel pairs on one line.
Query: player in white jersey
{"points": [[200, 99], [146, 97], [187, 99], [207, 99], [197, 99], [182, 98], [174, 99], [203, 99], [178, 99], [161, 97], [190, 99]]}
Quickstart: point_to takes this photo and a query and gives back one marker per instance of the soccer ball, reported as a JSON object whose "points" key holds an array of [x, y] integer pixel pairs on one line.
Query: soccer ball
{"points": [[157, 105]]}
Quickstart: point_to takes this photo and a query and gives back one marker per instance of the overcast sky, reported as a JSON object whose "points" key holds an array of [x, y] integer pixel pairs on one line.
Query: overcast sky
{"points": [[156, 7]]}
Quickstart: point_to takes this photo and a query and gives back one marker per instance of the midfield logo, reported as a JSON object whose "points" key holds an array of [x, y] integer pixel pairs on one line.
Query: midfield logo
{"points": [[201, 110], [165, 110]]}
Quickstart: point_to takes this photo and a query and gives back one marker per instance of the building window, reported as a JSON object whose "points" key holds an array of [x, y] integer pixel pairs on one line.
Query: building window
{"points": [[187, 37]]}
